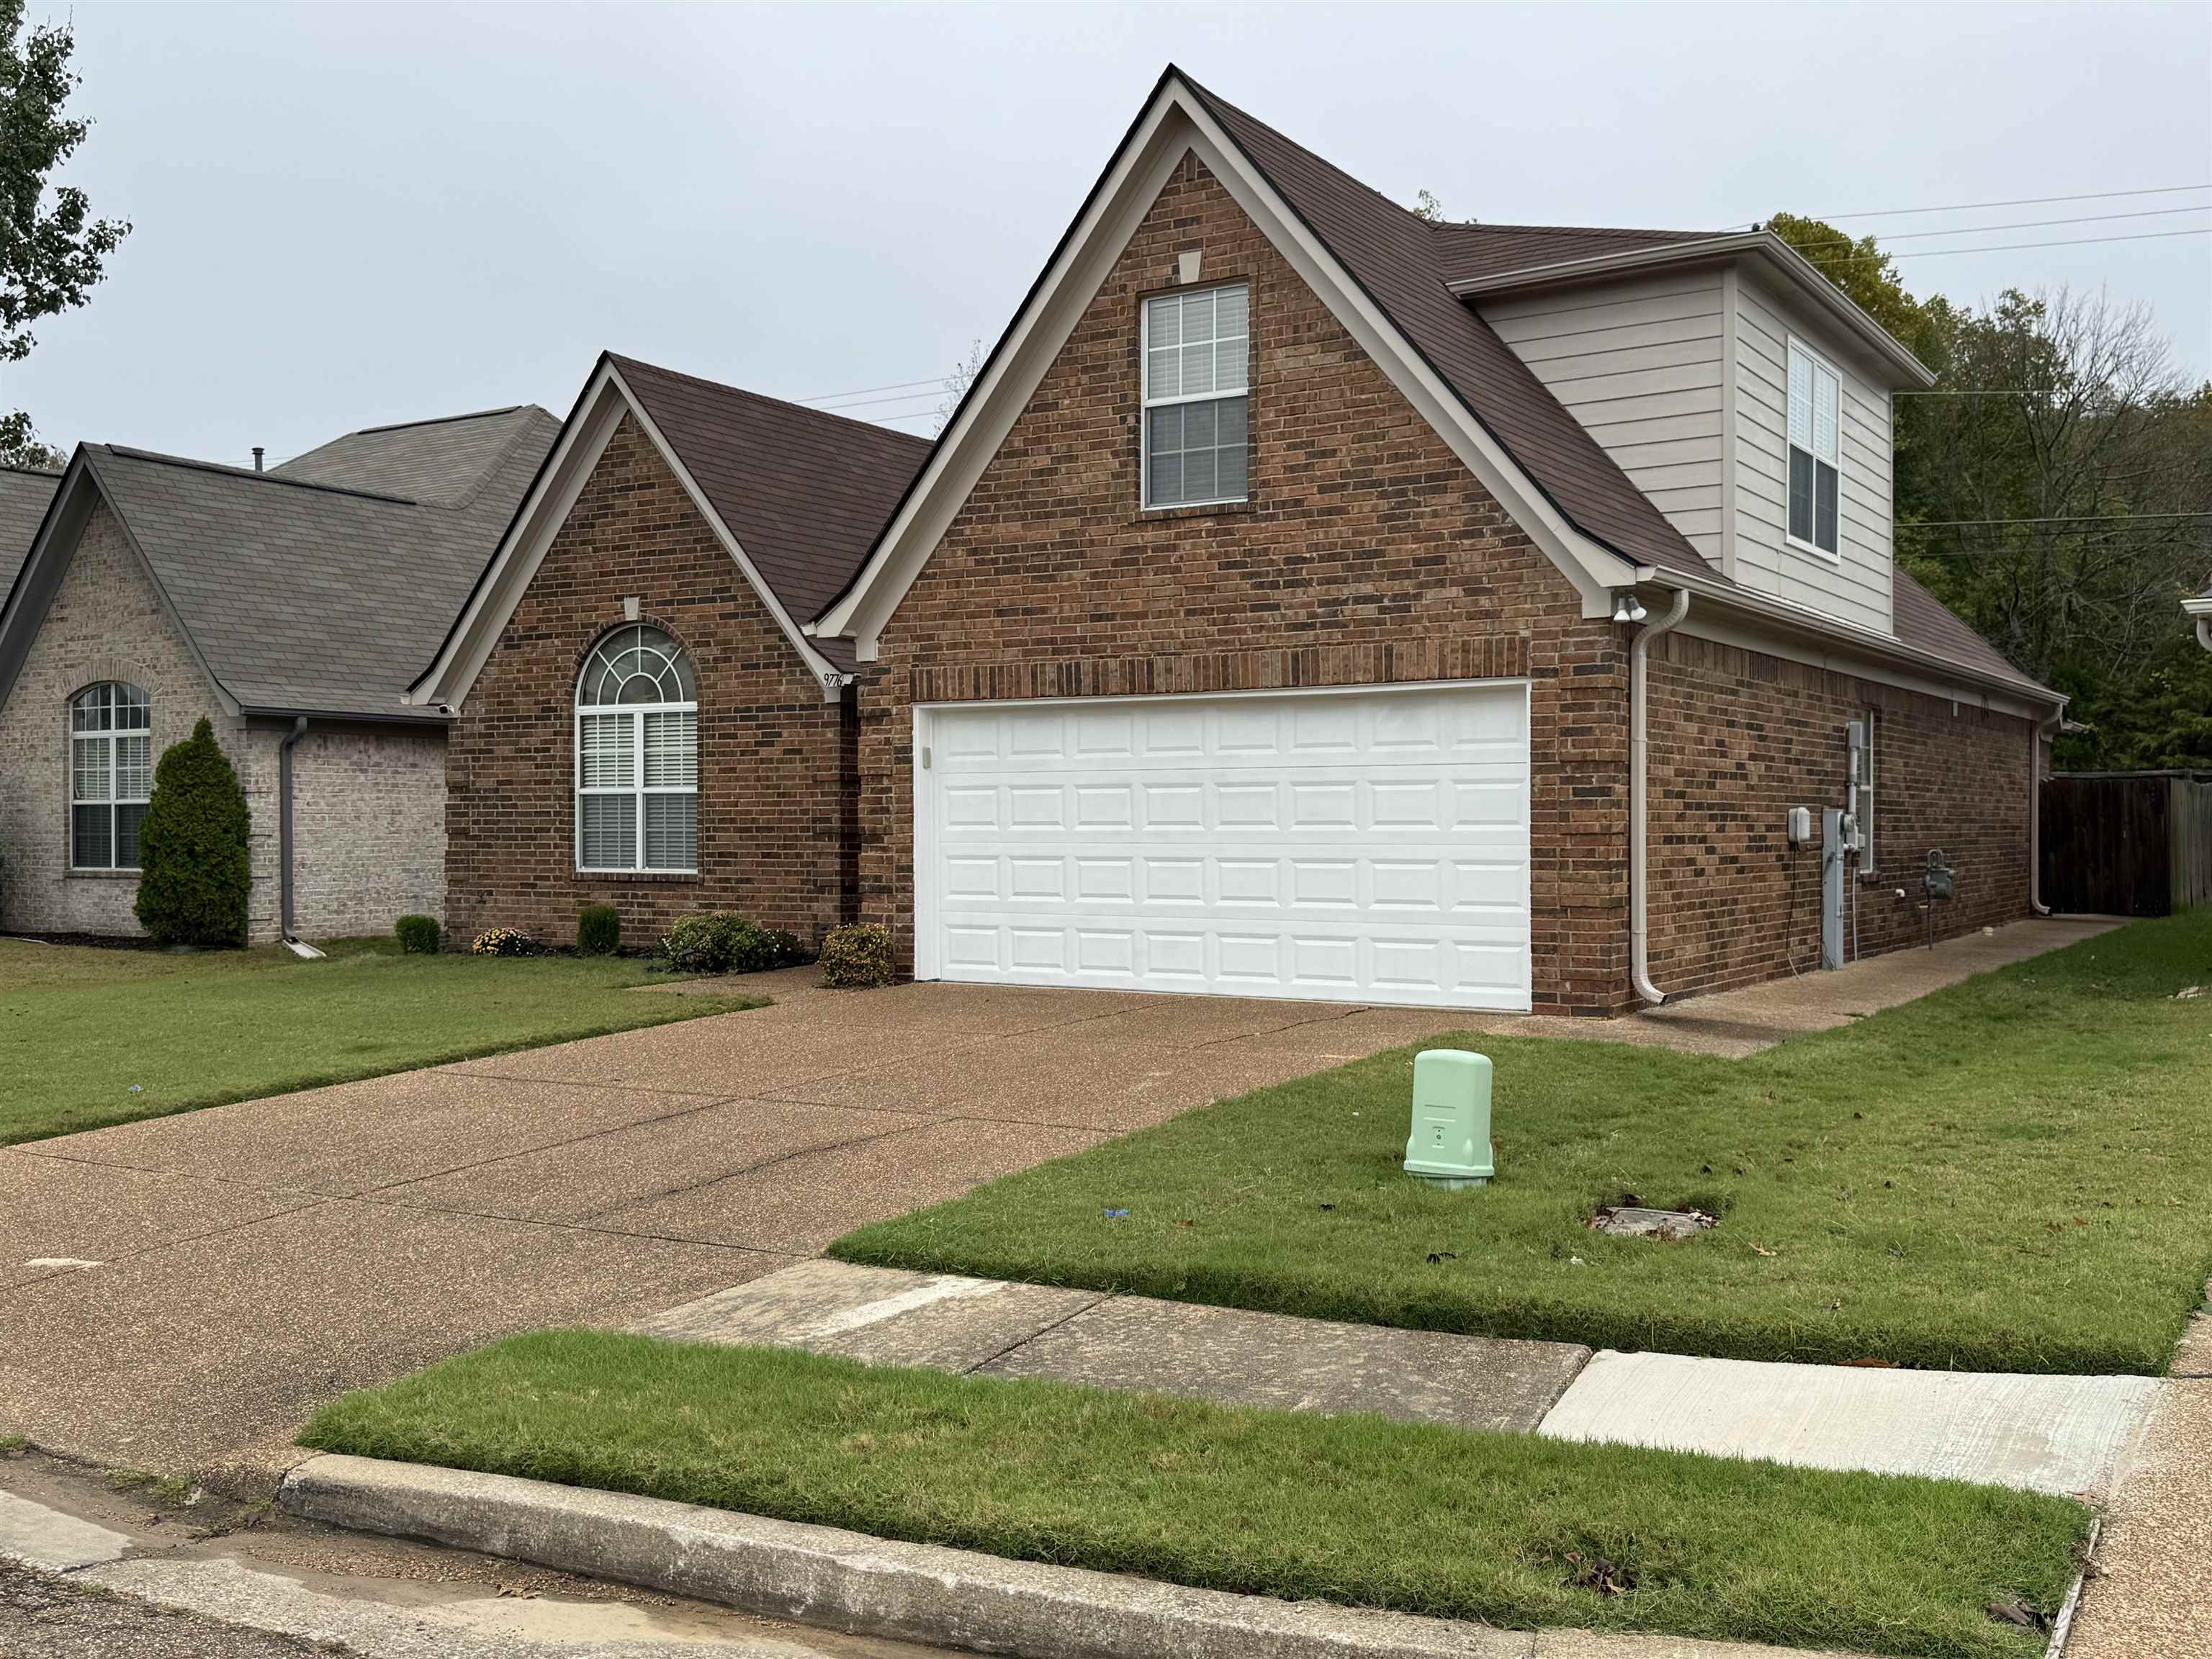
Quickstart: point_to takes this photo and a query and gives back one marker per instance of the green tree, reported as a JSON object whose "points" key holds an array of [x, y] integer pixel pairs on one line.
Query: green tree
{"points": [[52, 252], [194, 874], [2041, 490]]}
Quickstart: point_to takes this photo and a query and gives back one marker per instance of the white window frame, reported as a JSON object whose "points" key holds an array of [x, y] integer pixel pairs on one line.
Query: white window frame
{"points": [[1146, 403], [105, 740], [579, 710], [1819, 366]]}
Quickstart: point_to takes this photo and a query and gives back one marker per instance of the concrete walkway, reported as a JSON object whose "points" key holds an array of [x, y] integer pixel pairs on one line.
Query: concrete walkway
{"points": [[2071, 1435]]}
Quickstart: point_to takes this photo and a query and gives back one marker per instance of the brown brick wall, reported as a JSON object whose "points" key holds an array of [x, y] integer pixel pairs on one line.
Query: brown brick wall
{"points": [[770, 774], [1368, 553], [1738, 737]]}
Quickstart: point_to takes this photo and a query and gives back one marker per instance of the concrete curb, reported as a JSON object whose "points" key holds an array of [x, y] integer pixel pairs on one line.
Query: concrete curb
{"points": [[915, 1592]]}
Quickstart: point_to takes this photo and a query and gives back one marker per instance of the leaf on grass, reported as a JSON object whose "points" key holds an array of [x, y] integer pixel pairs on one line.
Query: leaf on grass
{"points": [[1762, 1249], [2018, 1612], [1437, 1257]]}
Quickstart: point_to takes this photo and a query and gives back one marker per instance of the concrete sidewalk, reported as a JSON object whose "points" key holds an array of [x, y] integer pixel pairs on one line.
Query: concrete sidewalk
{"points": [[2071, 1435]]}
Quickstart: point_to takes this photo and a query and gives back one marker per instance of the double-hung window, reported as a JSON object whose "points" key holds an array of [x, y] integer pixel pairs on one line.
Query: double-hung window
{"points": [[111, 775], [1815, 450], [637, 755], [1197, 351]]}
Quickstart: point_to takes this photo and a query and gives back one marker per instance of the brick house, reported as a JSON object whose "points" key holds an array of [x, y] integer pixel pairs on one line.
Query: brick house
{"points": [[638, 718], [1306, 599], [289, 608], [1309, 599]]}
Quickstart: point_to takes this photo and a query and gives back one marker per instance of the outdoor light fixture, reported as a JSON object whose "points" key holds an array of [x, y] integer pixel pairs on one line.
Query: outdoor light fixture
{"points": [[1627, 608], [1449, 1145]]}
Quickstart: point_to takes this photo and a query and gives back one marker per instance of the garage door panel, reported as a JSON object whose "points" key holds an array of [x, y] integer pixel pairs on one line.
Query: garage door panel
{"points": [[1371, 845]]}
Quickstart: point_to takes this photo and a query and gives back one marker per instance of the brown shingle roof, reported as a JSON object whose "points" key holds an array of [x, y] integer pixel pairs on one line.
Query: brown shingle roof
{"points": [[1926, 623], [1397, 257], [1469, 251], [803, 492]]}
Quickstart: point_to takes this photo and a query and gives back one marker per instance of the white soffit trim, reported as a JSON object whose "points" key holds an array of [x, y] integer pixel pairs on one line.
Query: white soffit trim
{"points": [[2199, 606], [1804, 277], [1812, 643], [1176, 123], [515, 565]]}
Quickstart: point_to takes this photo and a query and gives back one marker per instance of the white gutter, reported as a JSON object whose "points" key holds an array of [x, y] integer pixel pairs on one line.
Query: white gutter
{"points": [[2048, 728], [2201, 608], [1639, 884]]}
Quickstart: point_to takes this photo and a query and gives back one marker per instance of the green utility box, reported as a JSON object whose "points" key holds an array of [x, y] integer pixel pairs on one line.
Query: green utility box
{"points": [[1449, 1146]]}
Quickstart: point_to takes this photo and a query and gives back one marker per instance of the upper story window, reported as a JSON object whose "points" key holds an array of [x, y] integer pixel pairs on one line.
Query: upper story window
{"points": [[111, 775], [1197, 348], [1815, 450], [637, 755]]}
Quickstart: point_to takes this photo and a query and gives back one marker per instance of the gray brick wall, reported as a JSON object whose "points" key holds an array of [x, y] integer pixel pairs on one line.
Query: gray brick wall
{"points": [[369, 812]]}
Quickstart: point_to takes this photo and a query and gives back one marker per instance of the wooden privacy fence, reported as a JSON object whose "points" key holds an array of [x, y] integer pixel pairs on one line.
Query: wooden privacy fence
{"points": [[2126, 844]]}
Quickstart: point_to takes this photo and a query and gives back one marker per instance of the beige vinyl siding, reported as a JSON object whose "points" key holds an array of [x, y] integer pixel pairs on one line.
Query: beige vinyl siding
{"points": [[1856, 585], [1639, 364]]}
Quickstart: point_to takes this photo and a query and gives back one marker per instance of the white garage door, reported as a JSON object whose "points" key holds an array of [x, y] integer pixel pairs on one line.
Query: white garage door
{"points": [[1363, 846]]}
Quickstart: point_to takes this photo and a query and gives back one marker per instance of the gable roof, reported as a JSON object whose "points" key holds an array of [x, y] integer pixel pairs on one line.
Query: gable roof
{"points": [[1397, 257], [795, 495], [445, 462], [1413, 274], [804, 491], [301, 596], [25, 493]]}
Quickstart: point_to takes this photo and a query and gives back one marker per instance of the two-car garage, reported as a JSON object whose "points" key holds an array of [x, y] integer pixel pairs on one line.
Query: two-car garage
{"points": [[1351, 845]]}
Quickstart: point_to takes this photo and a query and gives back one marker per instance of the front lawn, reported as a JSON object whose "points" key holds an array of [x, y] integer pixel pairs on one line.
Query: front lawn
{"points": [[1355, 1510], [89, 1037], [2014, 1174]]}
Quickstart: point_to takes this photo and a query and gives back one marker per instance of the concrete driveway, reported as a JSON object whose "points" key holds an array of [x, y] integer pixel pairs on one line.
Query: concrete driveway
{"points": [[180, 1294]]}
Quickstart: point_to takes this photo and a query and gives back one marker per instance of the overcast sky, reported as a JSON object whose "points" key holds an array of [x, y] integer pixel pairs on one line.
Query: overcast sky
{"points": [[352, 215]]}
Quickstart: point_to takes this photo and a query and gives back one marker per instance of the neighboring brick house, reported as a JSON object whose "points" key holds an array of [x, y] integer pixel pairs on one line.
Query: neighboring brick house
{"points": [[1308, 599], [637, 717], [288, 607]]}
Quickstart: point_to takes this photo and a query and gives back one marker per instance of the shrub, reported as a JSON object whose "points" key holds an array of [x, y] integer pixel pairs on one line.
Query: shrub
{"points": [[724, 942], [417, 935], [598, 930], [504, 942], [857, 956], [194, 877]]}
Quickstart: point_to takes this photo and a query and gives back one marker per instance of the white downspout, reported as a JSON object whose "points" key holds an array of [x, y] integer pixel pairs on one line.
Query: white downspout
{"points": [[2043, 729], [1640, 934]]}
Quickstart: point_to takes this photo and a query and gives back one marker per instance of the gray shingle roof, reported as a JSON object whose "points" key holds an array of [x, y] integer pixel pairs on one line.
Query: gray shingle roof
{"points": [[327, 596], [25, 494]]}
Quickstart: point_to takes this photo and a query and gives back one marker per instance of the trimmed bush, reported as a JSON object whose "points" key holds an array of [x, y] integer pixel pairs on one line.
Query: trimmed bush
{"points": [[856, 956], [724, 942], [417, 935], [503, 942], [194, 877], [598, 930]]}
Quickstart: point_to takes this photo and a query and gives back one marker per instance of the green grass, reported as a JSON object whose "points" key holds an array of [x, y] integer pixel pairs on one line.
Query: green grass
{"points": [[2014, 1174], [89, 1037], [1354, 1509]]}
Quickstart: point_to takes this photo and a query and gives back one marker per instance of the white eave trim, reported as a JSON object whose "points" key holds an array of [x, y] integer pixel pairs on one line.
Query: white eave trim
{"points": [[583, 440], [2199, 606], [1801, 635], [1175, 122], [1803, 277]]}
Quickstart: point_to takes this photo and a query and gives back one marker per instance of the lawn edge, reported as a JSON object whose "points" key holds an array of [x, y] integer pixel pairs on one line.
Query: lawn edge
{"points": [[865, 1585], [735, 1002]]}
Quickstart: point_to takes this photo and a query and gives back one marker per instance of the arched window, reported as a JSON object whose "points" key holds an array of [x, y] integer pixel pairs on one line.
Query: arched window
{"points": [[111, 775], [637, 755]]}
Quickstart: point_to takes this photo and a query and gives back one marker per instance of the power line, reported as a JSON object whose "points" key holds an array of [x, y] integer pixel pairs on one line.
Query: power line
{"points": [[2058, 518], [2017, 201], [2006, 247], [871, 403], [2017, 224], [862, 391]]}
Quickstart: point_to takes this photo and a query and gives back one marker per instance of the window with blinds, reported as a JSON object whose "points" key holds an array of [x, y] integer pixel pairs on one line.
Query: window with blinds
{"points": [[111, 775], [1815, 451], [1197, 351], [637, 755]]}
